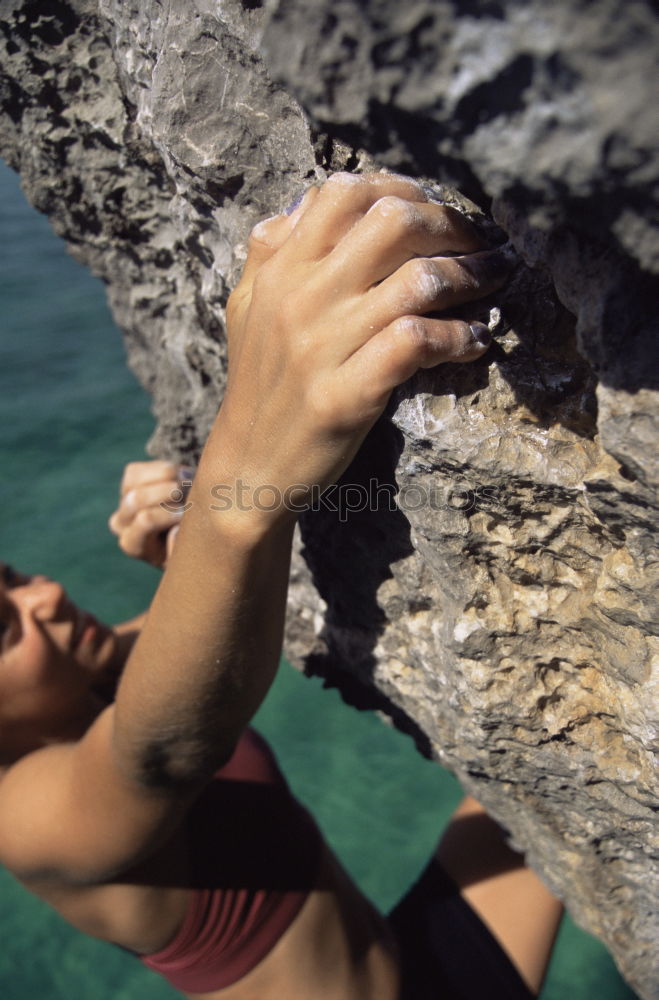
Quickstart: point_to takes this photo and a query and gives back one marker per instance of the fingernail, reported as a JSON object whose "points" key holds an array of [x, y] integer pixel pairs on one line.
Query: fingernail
{"points": [[489, 265], [481, 334], [296, 203]]}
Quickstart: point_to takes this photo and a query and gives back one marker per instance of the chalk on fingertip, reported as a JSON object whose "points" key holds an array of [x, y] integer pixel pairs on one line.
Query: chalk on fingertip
{"points": [[481, 334]]}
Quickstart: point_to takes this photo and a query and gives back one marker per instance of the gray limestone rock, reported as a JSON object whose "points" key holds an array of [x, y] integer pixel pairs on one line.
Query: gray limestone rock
{"points": [[485, 573]]}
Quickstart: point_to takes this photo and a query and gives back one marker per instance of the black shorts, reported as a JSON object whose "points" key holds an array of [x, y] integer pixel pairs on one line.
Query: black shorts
{"points": [[446, 951]]}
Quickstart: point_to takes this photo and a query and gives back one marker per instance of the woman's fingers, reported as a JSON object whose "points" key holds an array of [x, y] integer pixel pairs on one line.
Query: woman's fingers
{"points": [[426, 285], [317, 224], [342, 201], [269, 235], [361, 227], [393, 231], [398, 351], [422, 285], [138, 474], [148, 509], [171, 495], [145, 537]]}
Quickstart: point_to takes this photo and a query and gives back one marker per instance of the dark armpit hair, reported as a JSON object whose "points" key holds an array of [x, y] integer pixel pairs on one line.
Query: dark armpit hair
{"points": [[175, 767]]}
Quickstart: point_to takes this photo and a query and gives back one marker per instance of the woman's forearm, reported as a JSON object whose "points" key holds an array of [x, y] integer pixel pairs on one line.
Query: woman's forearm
{"points": [[208, 651]]}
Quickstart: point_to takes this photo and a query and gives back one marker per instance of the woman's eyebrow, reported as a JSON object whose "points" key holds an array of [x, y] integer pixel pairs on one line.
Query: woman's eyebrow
{"points": [[7, 611], [7, 574], [7, 579], [4, 612]]}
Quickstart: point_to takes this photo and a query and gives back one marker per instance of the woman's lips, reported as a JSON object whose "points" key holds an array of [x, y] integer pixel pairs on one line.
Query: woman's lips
{"points": [[85, 632]]}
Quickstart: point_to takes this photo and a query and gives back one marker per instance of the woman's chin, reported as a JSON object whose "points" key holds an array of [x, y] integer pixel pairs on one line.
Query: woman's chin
{"points": [[96, 647]]}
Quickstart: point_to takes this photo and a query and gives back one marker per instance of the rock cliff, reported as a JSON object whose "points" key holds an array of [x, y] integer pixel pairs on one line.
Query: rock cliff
{"points": [[502, 609]]}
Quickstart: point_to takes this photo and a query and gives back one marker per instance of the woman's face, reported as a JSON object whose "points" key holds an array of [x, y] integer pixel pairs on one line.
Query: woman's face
{"points": [[50, 652]]}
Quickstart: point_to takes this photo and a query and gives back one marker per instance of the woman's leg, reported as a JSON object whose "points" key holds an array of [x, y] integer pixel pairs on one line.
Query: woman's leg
{"points": [[477, 923], [510, 899]]}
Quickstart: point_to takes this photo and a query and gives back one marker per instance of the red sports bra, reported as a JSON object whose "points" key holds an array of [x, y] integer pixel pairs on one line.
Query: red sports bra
{"points": [[254, 855]]}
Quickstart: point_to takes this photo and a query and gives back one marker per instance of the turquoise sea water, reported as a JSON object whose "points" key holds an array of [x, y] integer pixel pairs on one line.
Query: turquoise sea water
{"points": [[71, 415]]}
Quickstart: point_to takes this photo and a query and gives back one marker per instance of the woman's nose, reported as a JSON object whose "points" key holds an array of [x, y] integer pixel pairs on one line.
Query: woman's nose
{"points": [[41, 597]]}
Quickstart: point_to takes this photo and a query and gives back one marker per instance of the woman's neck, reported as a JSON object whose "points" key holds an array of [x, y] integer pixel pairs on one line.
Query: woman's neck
{"points": [[106, 672]]}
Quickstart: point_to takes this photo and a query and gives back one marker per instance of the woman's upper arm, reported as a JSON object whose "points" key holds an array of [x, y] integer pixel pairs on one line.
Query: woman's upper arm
{"points": [[68, 813]]}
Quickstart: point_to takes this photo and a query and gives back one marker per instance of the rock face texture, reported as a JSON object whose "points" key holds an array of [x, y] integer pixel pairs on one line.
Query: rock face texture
{"points": [[502, 609]]}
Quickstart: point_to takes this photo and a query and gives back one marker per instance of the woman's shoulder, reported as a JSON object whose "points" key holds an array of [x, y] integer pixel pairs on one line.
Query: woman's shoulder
{"points": [[141, 911]]}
